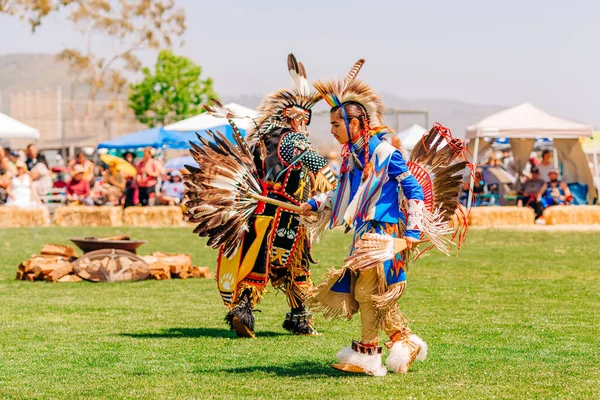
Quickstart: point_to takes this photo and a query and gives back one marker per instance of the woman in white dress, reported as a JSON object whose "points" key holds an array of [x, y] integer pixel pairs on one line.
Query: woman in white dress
{"points": [[20, 193]]}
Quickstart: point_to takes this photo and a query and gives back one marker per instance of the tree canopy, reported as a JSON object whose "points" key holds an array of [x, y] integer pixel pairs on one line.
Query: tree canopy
{"points": [[174, 89]]}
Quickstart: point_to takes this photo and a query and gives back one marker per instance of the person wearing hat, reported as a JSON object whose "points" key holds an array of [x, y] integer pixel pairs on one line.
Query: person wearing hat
{"points": [[20, 193], [171, 192], [554, 192], [528, 191], [87, 165], [78, 189]]}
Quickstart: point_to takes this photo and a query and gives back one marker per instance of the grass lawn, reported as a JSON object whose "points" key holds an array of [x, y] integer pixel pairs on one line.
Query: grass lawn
{"points": [[516, 315]]}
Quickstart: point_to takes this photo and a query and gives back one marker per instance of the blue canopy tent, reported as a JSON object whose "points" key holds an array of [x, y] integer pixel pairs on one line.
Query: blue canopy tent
{"points": [[159, 138], [180, 140], [152, 137], [504, 143]]}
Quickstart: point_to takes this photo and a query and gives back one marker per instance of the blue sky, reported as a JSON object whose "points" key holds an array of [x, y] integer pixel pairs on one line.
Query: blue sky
{"points": [[501, 53]]}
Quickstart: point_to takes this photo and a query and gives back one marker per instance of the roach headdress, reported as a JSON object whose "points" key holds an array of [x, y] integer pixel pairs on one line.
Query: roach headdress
{"points": [[282, 106]]}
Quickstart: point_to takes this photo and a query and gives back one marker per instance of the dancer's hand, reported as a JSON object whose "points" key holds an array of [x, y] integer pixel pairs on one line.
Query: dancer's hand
{"points": [[306, 209]]}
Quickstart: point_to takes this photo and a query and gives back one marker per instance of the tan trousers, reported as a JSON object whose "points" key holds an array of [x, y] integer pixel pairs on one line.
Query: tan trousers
{"points": [[366, 287]]}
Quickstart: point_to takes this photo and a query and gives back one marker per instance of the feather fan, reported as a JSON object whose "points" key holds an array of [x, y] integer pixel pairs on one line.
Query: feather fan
{"points": [[216, 195], [437, 162]]}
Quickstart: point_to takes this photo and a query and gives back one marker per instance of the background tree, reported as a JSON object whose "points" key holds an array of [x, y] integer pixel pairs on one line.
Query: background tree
{"points": [[31, 10], [173, 89], [130, 25]]}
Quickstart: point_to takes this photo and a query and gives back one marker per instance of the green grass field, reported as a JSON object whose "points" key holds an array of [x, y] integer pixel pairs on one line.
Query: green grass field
{"points": [[516, 315]]}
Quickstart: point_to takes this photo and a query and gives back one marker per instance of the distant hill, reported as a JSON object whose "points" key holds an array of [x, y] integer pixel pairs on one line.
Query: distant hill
{"points": [[31, 72], [23, 72], [454, 114]]}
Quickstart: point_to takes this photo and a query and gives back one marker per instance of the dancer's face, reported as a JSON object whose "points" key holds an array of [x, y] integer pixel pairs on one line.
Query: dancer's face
{"points": [[338, 127], [298, 125]]}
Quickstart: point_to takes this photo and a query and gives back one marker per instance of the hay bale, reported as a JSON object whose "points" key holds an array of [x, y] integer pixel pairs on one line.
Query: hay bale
{"points": [[501, 216], [153, 216], [15, 217], [572, 215], [88, 216]]}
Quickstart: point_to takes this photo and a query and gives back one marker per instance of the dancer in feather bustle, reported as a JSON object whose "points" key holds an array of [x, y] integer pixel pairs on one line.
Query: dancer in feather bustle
{"points": [[275, 246], [392, 206]]}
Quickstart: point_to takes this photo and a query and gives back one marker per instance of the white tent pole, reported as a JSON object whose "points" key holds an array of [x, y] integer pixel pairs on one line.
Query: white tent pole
{"points": [[472, 179], [596, 168], [555, 154]]}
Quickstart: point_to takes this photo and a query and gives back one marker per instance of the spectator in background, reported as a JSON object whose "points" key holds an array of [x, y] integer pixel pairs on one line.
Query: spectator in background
{"points": [[172, 190], [78, 189], [130, 183], [41, 177], [545, 166], [508, 163], [554, 192], [20, 193], [528, 191], [148, 172], [31, 153], [13, 158], [5, 177], [87, 165], [114, 184]]}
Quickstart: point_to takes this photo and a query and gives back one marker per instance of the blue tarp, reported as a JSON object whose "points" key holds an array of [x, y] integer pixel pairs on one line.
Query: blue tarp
{"points": [[160, 139], [539, 143], [152, 137]]}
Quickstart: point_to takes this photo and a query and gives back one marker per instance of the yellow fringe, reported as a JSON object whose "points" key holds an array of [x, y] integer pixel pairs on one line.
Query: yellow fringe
{"points": [[256, 293], [385, 301], [332, 305], [322, 185], [297, 266]]}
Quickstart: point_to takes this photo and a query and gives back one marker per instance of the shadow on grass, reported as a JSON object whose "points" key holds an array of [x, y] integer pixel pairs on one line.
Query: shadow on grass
{"points": [[175, 333], [305, 369]]}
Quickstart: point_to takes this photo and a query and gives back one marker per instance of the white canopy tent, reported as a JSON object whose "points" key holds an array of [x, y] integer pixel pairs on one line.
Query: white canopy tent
{"points": [[410, 136], [204, 121], [10, 128], [522, 125]]}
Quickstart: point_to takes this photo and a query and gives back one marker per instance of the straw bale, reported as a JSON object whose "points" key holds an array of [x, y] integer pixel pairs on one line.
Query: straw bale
{"points": [[572, 215], [153, 216], [501, 216], [88, 216], [15, 217]]}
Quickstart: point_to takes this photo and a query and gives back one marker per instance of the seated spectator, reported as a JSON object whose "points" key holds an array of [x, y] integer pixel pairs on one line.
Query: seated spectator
{"points": [[87, 165], [19, 190], [130, 192], [5, 177], [479, 188], [32, 156], [113, 184], [13, 158], [172, 190], [41, 176], [545, 166], [78, 189], [528, 191], [554, 192], [60, 181]]}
